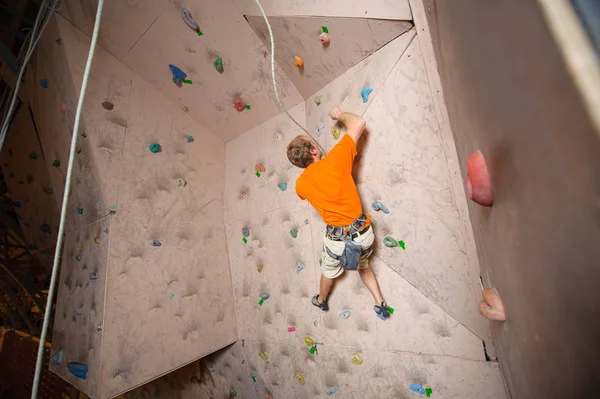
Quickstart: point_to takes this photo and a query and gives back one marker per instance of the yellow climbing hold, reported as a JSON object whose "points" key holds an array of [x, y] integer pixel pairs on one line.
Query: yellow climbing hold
{"points": [[356, 358], [308, 341], [336, 130], [259, 268], [263, 355], [300, 378]]}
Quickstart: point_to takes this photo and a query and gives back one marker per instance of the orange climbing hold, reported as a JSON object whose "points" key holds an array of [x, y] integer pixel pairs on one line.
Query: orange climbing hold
{"points": [[260, 168], [491, 306], [479, 186], [298, 62]]}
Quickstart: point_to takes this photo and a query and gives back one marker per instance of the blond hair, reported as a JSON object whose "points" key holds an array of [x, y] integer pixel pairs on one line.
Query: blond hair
{"points": [[298, 152]]}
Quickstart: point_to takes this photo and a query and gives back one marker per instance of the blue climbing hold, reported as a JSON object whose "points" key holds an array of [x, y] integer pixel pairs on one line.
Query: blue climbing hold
{"points": [[44, 83], [79, 370], [365, 94], [93, 276], [332, 390], [33, 246], [246, 232], [79, 256], [189, 139], [56, 358], [154, 148], [299, 267], [79, 210], [345, 314], [156, 243], [16, 204], [418, 388], [178, 74], [378, 206], [46, 228], [282, 186]]}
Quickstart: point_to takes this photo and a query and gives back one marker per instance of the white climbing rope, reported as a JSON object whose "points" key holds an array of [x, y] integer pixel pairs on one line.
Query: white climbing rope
{"points": [[279, 102], [65, 202]]}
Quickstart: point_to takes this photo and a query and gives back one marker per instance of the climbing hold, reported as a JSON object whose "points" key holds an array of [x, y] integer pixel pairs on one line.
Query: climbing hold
{"points": [[79, 311], [187, 81], [56, 163], [336, 130], [29, 179], [21, 182], [300, 378], [294, 233], [78, 149], [402, 245], [239, 105], [112, 209], [33, 155], [391, 309], [232, 393], [264, 296], [184, 108], [79, 256], [309, 341], [218, 64], [253, 375], [257, 174], [324, 38], [291, 329], [244, 239], [356, 358], [320, 128], [318, 100], [33, 246], [263, 355], [16, 204], [418, 388], [479, 185], [11, 174], [189, 139], [181, 182], [247, 106], [259, 268], [299, 267], [428, 392], [390, 242], [491, 306], [79, 210], [365, 94], [108, 105], [79, 370], [378, 206], [245, 232], [312, 349], [63, 108], [282, 186], [332, 390], [44, 83], [243, 196], [56, 358], [46, 228], [156, 243], [298, 62], [48, 190], [324, 29], [97, 240], [260, 168], [172, 296], [154, 148], [345, 314], [186, 15], [93, 276], [178, 74]]}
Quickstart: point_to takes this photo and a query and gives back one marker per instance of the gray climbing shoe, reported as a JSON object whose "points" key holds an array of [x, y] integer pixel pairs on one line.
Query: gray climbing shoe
{"points": [[323, 305], [382, 310]]}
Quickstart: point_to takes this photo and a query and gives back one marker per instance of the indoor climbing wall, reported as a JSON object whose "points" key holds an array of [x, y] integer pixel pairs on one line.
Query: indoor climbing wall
{"points": [[433, 341], [141, 292]]}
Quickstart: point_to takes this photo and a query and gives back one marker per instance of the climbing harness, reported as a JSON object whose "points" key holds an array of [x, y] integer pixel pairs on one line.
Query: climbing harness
{"points": [[353, 251]]}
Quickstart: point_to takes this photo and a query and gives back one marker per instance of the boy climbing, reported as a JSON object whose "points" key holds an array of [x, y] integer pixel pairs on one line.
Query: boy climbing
{"points": [[329, 187]]}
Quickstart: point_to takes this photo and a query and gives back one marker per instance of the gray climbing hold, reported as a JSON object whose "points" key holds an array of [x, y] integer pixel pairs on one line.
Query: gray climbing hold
{"points": [[189, 139], [318, 100], [332, 390], [156, 243], [320, 128], [345, 314], [48, 190], [264, 296], [181, 182], [93, 276], [211, 369], [79, 210], [294, 233], [108, 105], [33, 155], [282, 186], [186, 15], [299, 267], [79, 311], [79, 256], [378, 206], [56, 358], [246, 232], [390, 242]]}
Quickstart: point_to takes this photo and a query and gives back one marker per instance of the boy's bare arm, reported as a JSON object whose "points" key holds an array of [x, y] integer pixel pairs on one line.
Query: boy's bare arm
{"points": [[354, 123]]}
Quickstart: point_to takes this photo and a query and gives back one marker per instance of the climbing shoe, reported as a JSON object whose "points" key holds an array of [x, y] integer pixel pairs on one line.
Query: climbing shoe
{"points": [[381, 310], [323, 305]]}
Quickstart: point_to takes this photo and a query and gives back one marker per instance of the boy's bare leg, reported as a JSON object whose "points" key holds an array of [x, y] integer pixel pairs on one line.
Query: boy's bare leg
{"points": [[368, 277], [324, 288]]}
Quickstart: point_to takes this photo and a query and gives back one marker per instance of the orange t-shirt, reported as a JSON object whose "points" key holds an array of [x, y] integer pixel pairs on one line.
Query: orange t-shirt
{"points": [[329, 187]]}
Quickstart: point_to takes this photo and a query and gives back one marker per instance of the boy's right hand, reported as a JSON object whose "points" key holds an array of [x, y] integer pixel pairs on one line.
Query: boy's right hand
{"points": [[335, 112]]}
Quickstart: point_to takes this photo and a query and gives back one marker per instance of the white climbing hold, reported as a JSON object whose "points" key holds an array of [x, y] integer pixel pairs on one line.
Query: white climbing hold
{"points": [[320, 128], [299, 267]]}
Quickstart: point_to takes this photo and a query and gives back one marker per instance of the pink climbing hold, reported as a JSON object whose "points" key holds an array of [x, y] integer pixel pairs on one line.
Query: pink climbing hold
{"points": [[291, 329], [479, 186], [63, 108], [239, 105], [325, 39], [491, 306]]}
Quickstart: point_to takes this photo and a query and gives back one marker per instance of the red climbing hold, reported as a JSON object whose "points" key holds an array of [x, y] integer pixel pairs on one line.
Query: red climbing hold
{"points": [[63, 108], [479, 186], [491, 306], [239, 105]]}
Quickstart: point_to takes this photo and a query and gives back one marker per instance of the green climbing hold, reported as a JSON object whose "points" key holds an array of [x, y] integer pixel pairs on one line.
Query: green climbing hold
{"points": [[390, 242], [154, 148], [56, 163], [187, 81], [257, 174], [218, 64], [33, 155], [189, 139], [112, 209], [260, 303], [248, 106], [391, 309], [172, 296], [244, 239], [313, 349], [428, 392], [325, 30], [294, 233], [401, 243]]}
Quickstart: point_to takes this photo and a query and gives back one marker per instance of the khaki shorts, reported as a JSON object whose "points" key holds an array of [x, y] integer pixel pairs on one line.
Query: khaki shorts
{"points": [[330, 268]]}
